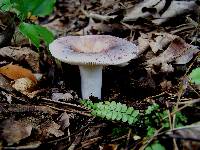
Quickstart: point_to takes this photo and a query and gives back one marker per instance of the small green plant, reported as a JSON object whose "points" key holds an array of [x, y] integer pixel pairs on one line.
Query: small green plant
{"points": [[195, 76], [150, 119], [112, 111], [24, 10], [155, 146]]}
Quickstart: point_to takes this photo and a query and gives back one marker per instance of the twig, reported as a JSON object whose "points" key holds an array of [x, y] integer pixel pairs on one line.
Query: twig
{"points": [[71, 111], [119, 138], [128, 139], [97, 16], [151, 139], [63, 103]]}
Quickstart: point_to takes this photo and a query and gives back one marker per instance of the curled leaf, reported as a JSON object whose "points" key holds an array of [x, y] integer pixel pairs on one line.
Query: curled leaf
{"points": [[16, 72]]}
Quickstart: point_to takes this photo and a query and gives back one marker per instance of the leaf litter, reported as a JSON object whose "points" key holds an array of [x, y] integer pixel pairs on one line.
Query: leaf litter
{"points": [[44, 111]]}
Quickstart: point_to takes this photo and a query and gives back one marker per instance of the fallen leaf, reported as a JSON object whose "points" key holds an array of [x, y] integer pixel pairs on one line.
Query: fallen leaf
{"points": [[156, 41], [8, 96], [157, 10], [176, 49], [14, 131], [23, 85], [22, 54], [109, 147], [56, 26], [5, 84], [50, 128], [16, 72], [107, 3], [190, 136], [32, 145], [62, 96], [94, 28], [63, 121], [187, 56]]}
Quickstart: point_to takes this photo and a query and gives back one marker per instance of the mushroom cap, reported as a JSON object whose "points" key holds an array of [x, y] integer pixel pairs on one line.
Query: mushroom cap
{"points": [[93, 50]]}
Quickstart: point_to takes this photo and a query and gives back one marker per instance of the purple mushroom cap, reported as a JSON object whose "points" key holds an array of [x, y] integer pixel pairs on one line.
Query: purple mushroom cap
{"points": [[93, 49]]}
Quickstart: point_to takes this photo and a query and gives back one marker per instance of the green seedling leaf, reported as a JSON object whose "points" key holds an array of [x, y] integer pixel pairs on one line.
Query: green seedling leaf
{"points": [[118, 107], [83, 102], [155, 146], [95, 106], [99, 113], [5, 5], [94, 113], [114, 115], [195, 76], [104, 113], [129, 110], [88, 102], [34, 7], [36, 33], [107, 107], [100, 105], [124, 108], [109, 115], [150, 131], [130, 120], [119, 116], [107, 102], [135, 113], [125, 117], [113, 105]]}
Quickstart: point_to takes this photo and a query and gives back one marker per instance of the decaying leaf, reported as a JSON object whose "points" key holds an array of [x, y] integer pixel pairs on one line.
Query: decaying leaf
{"points": [[98, 28], [109, 147], [178, 51], [190, 136], [32, 145], [16, 72], [56, 26], [159, 10], [64, 120], [14, 131], [50, 128], [62, 96], [191, 132], [23, 85], [156, 41], [8, 96], [5, 84], [22, 54]]}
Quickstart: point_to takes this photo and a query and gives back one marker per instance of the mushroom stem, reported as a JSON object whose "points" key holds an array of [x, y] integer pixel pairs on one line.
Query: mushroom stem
{"points": [[91, 80]]}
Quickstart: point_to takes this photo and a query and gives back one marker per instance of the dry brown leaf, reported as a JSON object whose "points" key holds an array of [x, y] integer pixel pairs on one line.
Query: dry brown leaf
{"points": [[156, 41], [64, 120], [191, 133], [22, 54], [149, 8], [109, 147], [93, 27], [62, 96], [16, 72], [5, 84], [57, 27], [50, 128], [176, 49], [14, 131], [23, 84]]}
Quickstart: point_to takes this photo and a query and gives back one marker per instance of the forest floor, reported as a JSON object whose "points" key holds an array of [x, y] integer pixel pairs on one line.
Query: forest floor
{"points": [[158, 84]]}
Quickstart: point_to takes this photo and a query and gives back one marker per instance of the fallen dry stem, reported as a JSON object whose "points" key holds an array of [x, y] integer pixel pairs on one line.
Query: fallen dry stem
{"points": [[97, 16]]}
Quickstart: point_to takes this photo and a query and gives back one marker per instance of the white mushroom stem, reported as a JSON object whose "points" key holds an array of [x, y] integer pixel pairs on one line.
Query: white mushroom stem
{"points": [[91, 80]]}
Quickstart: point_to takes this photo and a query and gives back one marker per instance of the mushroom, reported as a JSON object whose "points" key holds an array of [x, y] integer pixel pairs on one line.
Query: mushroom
{"points": [[91, 53]]}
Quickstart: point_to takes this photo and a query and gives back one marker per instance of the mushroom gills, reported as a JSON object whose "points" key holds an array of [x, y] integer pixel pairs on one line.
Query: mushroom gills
{"points": [[91, 80]]}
